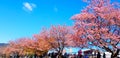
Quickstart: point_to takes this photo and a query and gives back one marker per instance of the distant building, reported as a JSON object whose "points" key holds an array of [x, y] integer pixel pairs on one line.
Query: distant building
{"points": [[92, 53]]}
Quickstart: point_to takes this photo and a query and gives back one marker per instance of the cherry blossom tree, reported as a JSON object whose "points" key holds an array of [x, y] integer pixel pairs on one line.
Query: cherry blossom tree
{"points": [[61, 38], [57, 37], [41, 43], [99, 25], [20, 46], [27, 46]]}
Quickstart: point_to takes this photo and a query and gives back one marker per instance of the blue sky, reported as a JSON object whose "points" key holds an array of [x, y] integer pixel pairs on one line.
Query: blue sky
{"points": [[23, 18]]}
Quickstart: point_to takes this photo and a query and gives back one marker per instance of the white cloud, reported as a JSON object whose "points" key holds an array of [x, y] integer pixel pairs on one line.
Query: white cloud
{"points": [[28, 6], [55, 9]]}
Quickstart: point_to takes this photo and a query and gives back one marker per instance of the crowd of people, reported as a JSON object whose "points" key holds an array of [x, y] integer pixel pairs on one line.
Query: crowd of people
{"points": [[80, 54], [54, 55]]}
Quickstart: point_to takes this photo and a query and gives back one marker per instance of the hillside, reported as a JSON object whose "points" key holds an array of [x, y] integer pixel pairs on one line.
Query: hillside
{"points": [[3, 44]]}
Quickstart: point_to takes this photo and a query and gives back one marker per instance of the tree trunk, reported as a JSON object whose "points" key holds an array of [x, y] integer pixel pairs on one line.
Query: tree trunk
{"points": [[112, 55], [115, 54], [59, 55], [60, 52]]}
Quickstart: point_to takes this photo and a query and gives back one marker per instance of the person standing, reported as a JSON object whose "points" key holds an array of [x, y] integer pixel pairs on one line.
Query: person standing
{"points": [[80, 54], [98, 55], [104, 55]]}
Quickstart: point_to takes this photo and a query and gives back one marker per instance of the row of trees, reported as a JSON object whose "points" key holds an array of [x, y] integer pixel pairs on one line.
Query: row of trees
{"points": [[97, 25], [56, 38]]}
